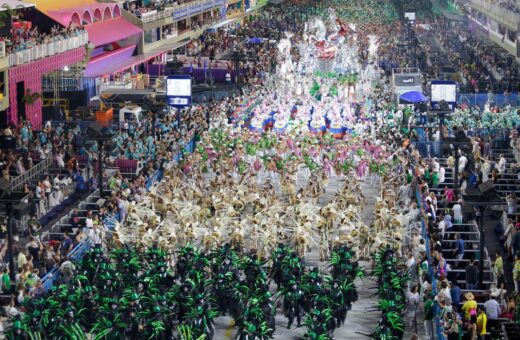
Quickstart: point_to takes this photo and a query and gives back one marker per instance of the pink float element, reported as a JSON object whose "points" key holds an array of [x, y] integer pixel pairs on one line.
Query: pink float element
{"points": [[31, 74], [105, 32]]}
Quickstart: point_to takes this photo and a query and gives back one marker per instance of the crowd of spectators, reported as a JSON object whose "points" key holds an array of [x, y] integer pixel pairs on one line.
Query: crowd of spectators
{"points": [[473, 59], [140, 7], [267, 25], [26, 38], [510, 5], [154, 142], [153, 146], [458, 311]]}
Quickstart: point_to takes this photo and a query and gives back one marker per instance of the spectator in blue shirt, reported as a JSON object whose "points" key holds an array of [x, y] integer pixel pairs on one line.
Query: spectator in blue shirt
{"points": [[455, 294], [459, 247], [447, 222], [66, 245]]}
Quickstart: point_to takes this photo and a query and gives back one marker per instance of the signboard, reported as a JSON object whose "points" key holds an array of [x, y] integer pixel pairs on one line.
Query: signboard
{"points": [[207, 6], [407, 80], [197, 8], [178, 90], [180, 14], [410, 16], [217, 3], [444, 91]]}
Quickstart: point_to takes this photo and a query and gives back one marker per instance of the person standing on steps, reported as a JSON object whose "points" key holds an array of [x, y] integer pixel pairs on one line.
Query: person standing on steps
{"points": [[428, 315], [471, 275]]}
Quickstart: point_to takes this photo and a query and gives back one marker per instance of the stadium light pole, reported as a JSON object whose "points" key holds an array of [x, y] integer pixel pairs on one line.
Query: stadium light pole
{"points": [[8, 201]]}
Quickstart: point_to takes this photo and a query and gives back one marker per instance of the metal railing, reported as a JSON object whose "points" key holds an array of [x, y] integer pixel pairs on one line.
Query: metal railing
{"points": [[200, 5], [500, 14], [156, 15], [76, 254], [406, 70], [2, 49], [36, 170], [435, 322], [47, 50], [62, 83], [46, 204], [115, 85]]}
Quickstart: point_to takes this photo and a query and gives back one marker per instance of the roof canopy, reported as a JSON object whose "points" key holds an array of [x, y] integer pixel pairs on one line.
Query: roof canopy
{"points": [[77, 12], [108, 31]]}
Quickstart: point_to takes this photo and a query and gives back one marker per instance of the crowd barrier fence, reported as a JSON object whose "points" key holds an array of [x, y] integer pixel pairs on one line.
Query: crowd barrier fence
{"points": [[481, 99], [424, 234]]}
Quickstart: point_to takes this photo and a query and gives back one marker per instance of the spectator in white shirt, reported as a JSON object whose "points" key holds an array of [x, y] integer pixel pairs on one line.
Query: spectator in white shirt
{"points": [[412, 304], [442, 175], [441, 226], [38, 191], [94, 235], [463, 161], [457, 212], [19, 166], [47, 185], [89, 222], [502, 164], [59, 160], [435, 165]]}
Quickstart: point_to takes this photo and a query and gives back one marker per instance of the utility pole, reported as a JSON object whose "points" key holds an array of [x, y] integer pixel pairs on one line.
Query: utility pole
{"points": [[100, 167], [456, 174], [10, 252], [8, 200]]}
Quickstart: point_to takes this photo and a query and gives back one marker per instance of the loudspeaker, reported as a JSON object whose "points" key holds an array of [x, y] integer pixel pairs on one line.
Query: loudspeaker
{"points": [[174, 64], [174, 67], [7, 143], [21, 209]]}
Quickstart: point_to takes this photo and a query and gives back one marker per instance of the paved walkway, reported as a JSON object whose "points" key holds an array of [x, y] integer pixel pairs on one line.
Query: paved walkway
{"points": [[363, 317]]}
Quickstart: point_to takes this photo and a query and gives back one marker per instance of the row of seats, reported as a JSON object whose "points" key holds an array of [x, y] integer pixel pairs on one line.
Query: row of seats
{"points": [[468, 232]]}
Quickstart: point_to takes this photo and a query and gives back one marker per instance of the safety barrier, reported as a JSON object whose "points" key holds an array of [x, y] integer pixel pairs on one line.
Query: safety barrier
{"points": [[49, 84], [48, 49], [115, 85], [75, 255], [156, 15], [46, 204], [30, 174], [481, 99], [191, 8], [496, 11], [426, 238]]}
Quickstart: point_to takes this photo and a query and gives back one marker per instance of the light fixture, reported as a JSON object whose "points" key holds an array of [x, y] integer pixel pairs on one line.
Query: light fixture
{"points": [[66, 68]]}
